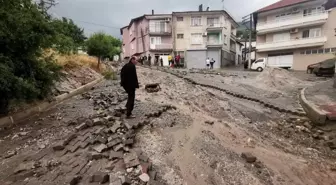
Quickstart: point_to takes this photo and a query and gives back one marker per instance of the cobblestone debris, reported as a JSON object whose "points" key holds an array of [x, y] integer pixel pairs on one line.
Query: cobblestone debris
{"points": [[238, 95], [150, 88]]}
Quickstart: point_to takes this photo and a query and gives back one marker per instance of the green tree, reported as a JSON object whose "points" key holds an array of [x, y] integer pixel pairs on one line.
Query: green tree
{"points": [[24, 73], [102, 45], [69, 37]]}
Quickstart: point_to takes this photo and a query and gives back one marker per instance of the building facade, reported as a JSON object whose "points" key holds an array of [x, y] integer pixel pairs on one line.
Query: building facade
{"points": [[199, 35], [194, 35], [148, 35], [296, 32]]}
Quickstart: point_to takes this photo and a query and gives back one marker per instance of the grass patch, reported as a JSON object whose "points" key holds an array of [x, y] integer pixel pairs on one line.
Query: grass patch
{"points": [[110, 75]]}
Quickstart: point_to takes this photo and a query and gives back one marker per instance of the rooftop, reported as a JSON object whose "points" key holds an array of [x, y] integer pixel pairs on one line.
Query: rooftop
{"points": [[281, 4]]}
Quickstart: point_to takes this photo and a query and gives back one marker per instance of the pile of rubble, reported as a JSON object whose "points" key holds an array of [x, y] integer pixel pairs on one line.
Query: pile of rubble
{"points": [[112, 140]]}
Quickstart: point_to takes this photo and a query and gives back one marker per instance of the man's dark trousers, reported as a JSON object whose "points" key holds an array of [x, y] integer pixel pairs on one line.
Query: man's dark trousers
{"points": [[130, 101]]}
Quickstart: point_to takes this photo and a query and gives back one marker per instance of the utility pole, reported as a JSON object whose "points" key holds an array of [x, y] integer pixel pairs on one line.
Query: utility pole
{"points": [[250, 45]]}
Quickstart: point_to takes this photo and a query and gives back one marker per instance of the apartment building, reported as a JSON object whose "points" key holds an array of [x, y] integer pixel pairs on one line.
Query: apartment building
{"points": [[148, 34], [296, 32], [198, 35]]}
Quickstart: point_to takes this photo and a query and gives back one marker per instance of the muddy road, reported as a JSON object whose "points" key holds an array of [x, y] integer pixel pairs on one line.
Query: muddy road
{"points": [[189, 134]]}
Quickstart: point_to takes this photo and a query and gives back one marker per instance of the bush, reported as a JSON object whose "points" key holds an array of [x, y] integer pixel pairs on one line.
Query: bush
{"points": [[25, 74], [110, 75]]}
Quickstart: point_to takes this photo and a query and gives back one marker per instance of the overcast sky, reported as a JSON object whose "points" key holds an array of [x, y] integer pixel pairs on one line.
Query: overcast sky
{"points": [[114, 14]]}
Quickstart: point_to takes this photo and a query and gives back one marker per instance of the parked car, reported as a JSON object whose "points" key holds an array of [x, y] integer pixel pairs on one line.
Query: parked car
{"points": [[326, 67]]}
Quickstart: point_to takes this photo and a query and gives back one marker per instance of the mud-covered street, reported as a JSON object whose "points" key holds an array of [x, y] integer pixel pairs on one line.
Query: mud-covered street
{"points": [[183, 134]]}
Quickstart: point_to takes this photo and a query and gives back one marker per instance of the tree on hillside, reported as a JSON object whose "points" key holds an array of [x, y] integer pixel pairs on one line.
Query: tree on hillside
{"points": [[102, 45], [24, 73], [69, 37]]}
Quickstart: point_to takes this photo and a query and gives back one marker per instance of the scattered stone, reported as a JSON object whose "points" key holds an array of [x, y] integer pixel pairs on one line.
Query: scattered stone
{"points": [[129, 142], [320, 132], [59, 146], [24, 167], [131, 160], [145, 167], [118, 147], [69, 139], [120, 166], [125, 180], [100, 148], [23, 133], [100, 177], [129, 170], [303, 129], [75, 180], [115, 136], [114, 178], [144, 177], [94, 156], [114, 142], [326, 138], [89, 123], [115, 127], [109, 118], [307, 125], [209, 122], [143, 158], [10, 154], [331, 144], [115, 155], [101, 140], [97, 121], [81, 126], [248, 157], [110, 165]]}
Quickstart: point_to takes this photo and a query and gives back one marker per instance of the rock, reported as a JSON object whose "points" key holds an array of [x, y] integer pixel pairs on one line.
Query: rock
{"points": [[115, 155], [100, 177], [59, 146], [143, 158], [115, 127], [145, 167], [326, 138], [101, 140], [23, 167], [302, 129], [125, 180], [152, 175], [75, 180], [129, 142], [248, 157], [70, 138], [144, 177], [118, 147], [307, 125], [81, 126], [114, 179], [97, 121], [23, 133], [209, 122], [94, 156], [110, 165], [331, 144], [109, 118], [131, 160], [100, 148], [129, 170], [10, 154], [120, 166], [114, 143]]}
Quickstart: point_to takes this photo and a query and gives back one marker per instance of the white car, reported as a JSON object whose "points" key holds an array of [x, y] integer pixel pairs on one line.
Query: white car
{"points": [[259, 65]]}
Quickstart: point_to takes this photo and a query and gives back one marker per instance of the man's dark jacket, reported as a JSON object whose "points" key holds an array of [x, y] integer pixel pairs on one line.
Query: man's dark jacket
{"points": [[129, 78]]}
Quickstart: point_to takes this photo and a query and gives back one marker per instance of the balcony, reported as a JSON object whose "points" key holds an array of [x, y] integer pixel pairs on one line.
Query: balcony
{"points": [[215, 27], [233, 37], [161, 47], [160, 29], [292, 22], [214, 44], [291, 44]]}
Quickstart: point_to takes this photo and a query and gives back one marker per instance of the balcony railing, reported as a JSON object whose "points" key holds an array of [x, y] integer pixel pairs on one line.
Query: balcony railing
{"points": [[291, 44], [215, 26], [161, 46], [301, 20], [215, 43], [157, 29]]}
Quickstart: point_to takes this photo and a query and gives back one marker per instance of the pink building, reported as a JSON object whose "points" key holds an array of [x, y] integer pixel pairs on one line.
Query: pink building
{"points": [[148, 34]]}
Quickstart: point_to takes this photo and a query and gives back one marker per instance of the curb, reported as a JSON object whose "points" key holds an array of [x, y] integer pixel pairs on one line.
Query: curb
{"points": [[314, 114], [20, 116], [235, 94]]}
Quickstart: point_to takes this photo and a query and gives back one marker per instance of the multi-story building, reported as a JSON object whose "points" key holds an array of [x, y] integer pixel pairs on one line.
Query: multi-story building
{"points": [[296, 32], [199, 35], [194, 35], [148, 35]]}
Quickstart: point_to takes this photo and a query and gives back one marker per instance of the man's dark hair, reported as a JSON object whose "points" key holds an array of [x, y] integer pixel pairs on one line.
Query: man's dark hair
{"points": [[131, 59]]}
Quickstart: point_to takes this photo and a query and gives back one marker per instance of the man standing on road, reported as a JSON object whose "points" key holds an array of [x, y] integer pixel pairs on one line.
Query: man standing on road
{"points": [[207, 63], [129, 81], [149, 60], [212, 63]]}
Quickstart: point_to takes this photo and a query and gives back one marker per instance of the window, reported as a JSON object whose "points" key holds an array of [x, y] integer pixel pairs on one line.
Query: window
{"points": [[302, 52], [196, 38], [305, 34], [327, 50], [333, 50], [157, 26], [213, 21], [180, 36], [196, 21], [260, 60], [320, 51], [314, 51], [316, 32], [155, 40], [179, 19], [313, 11], [308, 52]]}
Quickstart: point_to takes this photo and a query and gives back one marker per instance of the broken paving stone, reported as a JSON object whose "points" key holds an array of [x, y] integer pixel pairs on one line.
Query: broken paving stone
{"points": [[115, 127], [118, 147], [10, 154], [331, 144], [81, 126], [129, 142], [75, 180], [115, 155], [145, 167], [249, 157], [101, 140], [24, 167], [100, 148], [97, 121], [114, 143], [152, 175], [59, 146], [143, 158], [110, 165], [100, 177], [70, 138], [120, 166], [209, 122], [109, 118], [144, 177], [129, 170]]}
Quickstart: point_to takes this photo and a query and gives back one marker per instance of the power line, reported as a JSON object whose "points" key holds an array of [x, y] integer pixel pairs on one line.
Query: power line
{"points": [[113, 27]]}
